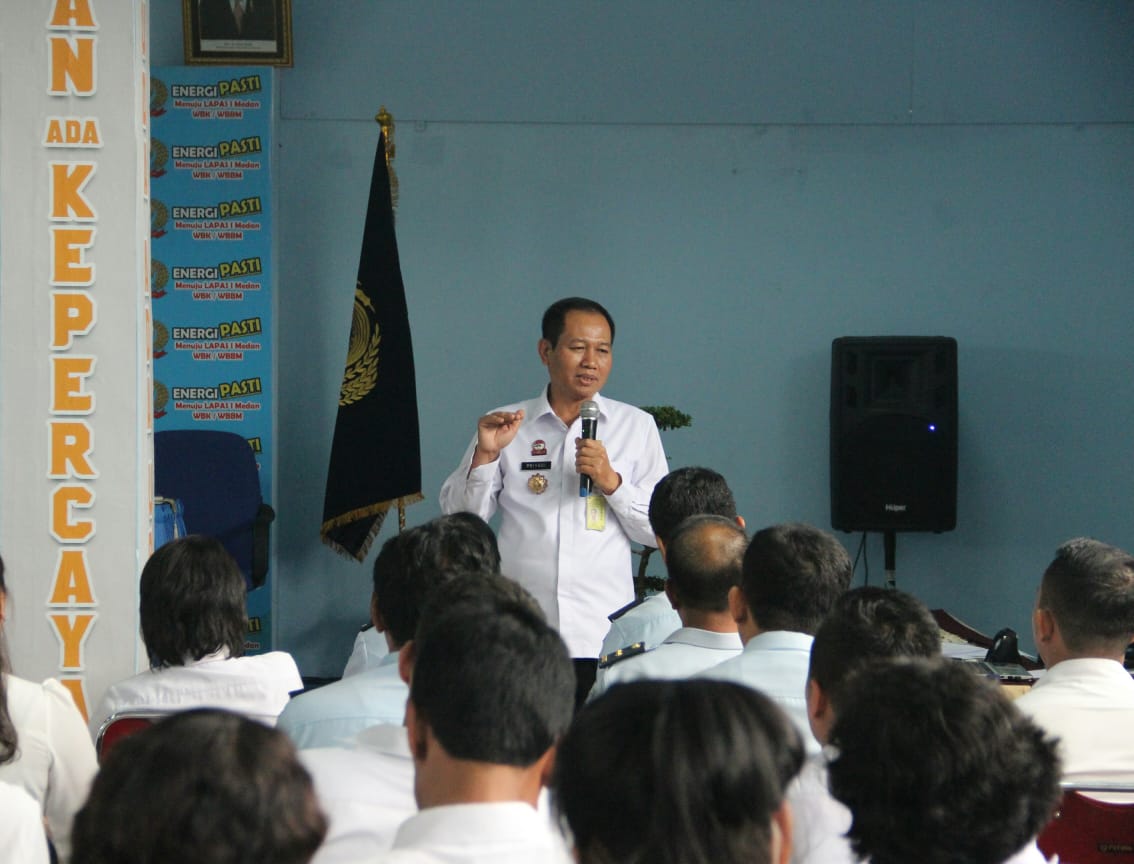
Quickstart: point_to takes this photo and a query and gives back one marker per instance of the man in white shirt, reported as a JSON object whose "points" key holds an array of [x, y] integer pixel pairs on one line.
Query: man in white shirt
{"points": [[1082, 622], [936, 766], [865, 624], [491, 693], [569, 547], [792, 575], [682, 493], [407, 570], [703, 560]]}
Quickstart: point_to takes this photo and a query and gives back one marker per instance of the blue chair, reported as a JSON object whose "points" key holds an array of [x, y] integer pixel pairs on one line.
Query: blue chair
{"points": [[215, 477]]}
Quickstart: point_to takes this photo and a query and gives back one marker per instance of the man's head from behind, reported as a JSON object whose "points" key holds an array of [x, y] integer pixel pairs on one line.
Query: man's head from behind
{"points": [[867, 623], [704, 563], [792, 575], [412, 564], [492, 686], [1085, 606], [937, 766], [688, 492]]}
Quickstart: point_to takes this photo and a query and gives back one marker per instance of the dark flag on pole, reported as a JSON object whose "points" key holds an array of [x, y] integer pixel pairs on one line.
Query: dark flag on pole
{"points": [[376, 452]]}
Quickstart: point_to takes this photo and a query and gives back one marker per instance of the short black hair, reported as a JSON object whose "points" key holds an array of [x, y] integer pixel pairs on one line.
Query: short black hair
{"points": [[555, 317], [412, 564], [193, 602], [491, 679], [202, 785], [937, 766], [674, 771], [686, 492], [868, 623], [792, 575], [1089, 590], [703, 561]]}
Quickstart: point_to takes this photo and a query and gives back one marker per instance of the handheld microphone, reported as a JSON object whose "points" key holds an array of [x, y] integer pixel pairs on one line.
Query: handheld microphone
{"points": [[588, 412]]}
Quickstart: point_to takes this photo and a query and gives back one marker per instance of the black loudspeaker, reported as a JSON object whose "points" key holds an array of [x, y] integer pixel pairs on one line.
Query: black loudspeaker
{"points": [[894, 433]]}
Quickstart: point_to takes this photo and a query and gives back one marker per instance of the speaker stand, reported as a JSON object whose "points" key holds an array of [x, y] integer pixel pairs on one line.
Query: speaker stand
{"points": [[889, 541]]}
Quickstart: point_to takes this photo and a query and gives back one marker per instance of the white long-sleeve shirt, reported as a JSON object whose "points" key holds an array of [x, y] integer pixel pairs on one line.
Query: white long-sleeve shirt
{"points": [[577, 572]]}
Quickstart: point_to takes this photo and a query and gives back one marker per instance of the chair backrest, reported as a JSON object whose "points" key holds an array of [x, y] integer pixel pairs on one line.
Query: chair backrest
{"points": [[215, 477], [1086, 830], [117, 726]]}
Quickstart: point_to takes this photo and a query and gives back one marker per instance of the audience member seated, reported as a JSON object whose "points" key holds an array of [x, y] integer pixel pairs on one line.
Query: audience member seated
{"points": [[865, 624], [1083, 621], [670, 772], [492, 690], [792, 575], [200, 786], [937, 766], [680, 494], [193, 624], [367, 789], [45, 748], [703, 561], [407, 570], [22, 838]]}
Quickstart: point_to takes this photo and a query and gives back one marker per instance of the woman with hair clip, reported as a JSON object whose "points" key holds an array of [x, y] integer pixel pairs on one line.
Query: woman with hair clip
{"points": [[45, 750], [678, 772]]}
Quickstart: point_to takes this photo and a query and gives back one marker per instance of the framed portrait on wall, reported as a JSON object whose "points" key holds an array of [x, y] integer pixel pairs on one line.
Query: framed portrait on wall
{"points": [[237, 31]]}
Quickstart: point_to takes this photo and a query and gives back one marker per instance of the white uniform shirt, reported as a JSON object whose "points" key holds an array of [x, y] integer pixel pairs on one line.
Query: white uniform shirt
{"points": [[56, 760], [819, 822], [510, 832], [257, 686], [332, 715], [22, 838], [776, 664], [1089, 704], [578, 575], [366, 791], [648, 622], [368, 650], [684, 653]]}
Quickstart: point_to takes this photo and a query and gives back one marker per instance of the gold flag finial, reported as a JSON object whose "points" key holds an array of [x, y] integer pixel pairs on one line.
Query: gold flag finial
{"points": [[386, 120]]}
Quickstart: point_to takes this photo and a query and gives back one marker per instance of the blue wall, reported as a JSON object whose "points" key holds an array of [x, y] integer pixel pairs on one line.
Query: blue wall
{"points": [[740, 183]]}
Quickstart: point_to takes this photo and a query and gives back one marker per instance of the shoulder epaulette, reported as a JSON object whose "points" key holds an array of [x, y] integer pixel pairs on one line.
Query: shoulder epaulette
{"points": [[632, 650], [618, 613]]}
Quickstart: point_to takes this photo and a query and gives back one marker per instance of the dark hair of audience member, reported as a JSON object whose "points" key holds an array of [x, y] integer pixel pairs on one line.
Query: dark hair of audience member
{"points": [[412, 564], [703, 561], [792, 575], [555, 317], [937, 766], [493, 681], [686, 492], [193, 602], [1089, 590], [9, 739], [675, 772], [868, 623], [200, 786]]}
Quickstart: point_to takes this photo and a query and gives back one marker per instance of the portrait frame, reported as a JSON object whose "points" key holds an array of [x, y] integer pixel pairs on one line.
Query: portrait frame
{"points": [[213, 35]]}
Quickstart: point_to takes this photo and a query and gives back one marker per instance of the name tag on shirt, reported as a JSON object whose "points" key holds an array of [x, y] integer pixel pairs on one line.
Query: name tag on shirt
{"points": [[535, 466], [596, 513]]}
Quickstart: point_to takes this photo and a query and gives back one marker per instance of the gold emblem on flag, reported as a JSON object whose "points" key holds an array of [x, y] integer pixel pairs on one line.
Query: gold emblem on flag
{"points": [[362, 354]]}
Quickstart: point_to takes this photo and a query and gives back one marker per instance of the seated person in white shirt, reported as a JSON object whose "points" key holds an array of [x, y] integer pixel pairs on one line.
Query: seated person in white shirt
{"points": [[491, 693], [937, 766], [407, 570], [194, 618], [200, 786], [703, 561], [791, 577], [671, 772], [865, 624], [682, 493], [1082, 622]]}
